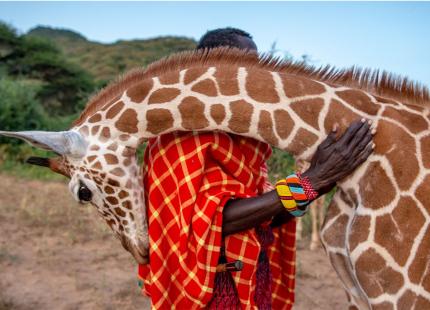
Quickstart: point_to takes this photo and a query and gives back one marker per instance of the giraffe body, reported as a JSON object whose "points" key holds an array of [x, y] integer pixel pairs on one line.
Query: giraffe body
{"points": [[376, 230]]}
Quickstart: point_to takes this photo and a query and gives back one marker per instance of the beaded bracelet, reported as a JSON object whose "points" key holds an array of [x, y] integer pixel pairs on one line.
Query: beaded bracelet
{"points": [[295, 194]]}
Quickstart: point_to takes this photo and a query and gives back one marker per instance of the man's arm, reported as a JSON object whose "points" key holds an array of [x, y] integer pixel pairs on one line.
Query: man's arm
{"points": [[333, 161]]}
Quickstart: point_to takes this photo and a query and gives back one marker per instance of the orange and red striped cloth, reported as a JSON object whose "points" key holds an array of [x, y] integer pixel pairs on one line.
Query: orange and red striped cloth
{"points": [[188, 178]]}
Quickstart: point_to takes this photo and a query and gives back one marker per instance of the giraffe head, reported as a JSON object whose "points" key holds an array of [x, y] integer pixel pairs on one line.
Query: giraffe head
{"points": [[102, 172]]}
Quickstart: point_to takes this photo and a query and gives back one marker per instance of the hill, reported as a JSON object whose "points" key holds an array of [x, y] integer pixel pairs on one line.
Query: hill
{"points": [[106, 61]]}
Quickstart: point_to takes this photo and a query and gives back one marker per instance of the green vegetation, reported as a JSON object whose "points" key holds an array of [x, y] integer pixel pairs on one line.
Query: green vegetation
{"points": [[107, 61]]}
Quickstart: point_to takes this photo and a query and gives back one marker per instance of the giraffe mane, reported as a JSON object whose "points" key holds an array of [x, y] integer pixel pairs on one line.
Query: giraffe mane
{"points": [[374, 81]]}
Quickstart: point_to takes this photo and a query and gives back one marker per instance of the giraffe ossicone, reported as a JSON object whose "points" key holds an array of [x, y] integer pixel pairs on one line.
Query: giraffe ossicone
{"points": [[377, 229]]}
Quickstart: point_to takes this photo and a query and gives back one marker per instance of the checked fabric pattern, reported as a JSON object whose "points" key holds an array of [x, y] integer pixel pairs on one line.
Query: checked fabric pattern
{"points": [[188, 178]]}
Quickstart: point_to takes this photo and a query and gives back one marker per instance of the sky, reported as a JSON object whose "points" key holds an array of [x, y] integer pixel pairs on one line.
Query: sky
{"points": [[392, 36]]}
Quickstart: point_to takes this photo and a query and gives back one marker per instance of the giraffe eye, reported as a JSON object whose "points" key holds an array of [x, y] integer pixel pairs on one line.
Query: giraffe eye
{"points": [[84, 194]]}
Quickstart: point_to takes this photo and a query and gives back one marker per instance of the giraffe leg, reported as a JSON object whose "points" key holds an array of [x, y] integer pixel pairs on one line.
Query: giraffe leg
{"points": [[316, 209], [334, 237], [299, 229]]}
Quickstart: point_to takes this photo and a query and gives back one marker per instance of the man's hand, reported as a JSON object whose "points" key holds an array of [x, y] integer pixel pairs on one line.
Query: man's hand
{"points": [[337, 158]]}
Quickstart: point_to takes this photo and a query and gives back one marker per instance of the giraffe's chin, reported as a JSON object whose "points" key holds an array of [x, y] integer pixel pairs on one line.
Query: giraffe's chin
{"points": [[140, 252]]}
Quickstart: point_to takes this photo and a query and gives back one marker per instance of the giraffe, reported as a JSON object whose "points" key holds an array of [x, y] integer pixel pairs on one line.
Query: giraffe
{"points": [[316, 216], [376, 232]]}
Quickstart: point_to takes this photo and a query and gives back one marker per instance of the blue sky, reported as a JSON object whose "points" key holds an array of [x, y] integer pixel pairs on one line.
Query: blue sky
{"points": [[388, 35]]}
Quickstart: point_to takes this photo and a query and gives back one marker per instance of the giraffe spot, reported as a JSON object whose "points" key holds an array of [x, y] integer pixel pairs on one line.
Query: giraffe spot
{"points": [[171, 77], [193, 74], [84, 130], [128, 184], [162, 95], [265, 128], [97, 165], [124, 222], [95, 118], [241, 114], [396, 231], [113, 147], [375, 276], [124, 137], [95, 130], [415, 123], [297, 86], [128, 151], [284, 123], [359, 231], [425, 151], [118, 172], [359, 100], [91, 158], [308, 110], [218, 113], [111, 159], [110, 103], [376, 189], [127, 162], [383, 306], [131, 217], [109, 190], [127, 204], [104, 134], [113, 182], [94, 148], [339, 114], [302, 141], [206, 87], [122, 194], [111, 223], [114, 110], [227, 81], [138, 92], [422, 192], [400, 150], [260, 86], [422, 303], [385, 100], [407, 300], [334, 235], [112, 200], [192, 113], [127, 121], [102, 175], [158, 120], [119, 212], [98, 181]]}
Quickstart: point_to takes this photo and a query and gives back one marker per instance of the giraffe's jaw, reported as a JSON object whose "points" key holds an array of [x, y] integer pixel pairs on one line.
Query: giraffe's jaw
{"points": [[140, 252]]}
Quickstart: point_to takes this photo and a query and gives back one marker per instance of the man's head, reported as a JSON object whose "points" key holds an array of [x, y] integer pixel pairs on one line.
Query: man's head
{"points": [[231, 37]]}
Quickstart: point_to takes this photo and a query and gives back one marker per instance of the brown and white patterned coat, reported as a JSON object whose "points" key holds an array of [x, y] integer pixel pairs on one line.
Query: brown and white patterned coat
{"points": [[376, 232]]}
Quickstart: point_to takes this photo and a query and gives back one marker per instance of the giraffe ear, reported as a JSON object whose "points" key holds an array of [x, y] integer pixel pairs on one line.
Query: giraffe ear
{"points": [[55, 164], [69, 143]]}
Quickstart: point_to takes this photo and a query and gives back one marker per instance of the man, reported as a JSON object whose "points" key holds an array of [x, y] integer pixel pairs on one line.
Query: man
{"points": [[213, 209]]}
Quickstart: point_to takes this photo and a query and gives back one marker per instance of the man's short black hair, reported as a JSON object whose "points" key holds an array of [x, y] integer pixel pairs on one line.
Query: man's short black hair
{"points": [[223, 37]]}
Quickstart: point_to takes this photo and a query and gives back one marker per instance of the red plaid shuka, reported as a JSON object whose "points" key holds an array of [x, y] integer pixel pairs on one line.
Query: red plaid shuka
{"points": [[188, 178]]}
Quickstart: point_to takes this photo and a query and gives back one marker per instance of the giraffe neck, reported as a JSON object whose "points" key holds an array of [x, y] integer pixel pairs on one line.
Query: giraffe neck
{"points": [[283, 110]]}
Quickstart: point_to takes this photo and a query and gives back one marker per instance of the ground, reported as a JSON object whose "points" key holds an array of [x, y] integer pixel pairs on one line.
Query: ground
{"points": [[57, 254]]}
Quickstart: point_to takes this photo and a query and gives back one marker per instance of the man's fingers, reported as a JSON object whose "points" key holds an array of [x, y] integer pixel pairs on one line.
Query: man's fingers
{"points": [[331, 138], [360, 147], [361, 138], [364, 155], [351, 131]]}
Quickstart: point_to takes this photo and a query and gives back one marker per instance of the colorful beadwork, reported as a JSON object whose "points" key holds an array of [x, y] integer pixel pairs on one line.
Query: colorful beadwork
{"points": [[294, 194]]}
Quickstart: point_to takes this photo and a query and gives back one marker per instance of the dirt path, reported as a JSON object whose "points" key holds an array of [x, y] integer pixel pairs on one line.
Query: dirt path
{"points": [[56, 254]]}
